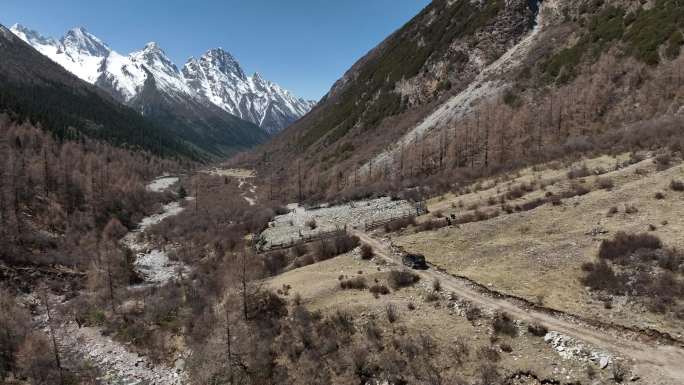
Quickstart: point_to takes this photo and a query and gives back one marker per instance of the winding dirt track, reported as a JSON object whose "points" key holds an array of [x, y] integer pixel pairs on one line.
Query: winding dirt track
{"points": [[655, 364]]}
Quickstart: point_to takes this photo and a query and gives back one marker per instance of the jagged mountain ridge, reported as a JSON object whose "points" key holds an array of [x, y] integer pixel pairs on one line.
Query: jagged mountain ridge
{"points": [[215, 78], [36, 89]]}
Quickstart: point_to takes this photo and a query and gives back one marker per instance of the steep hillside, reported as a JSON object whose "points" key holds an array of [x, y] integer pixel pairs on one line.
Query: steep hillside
{"points": [[435, 55], [469, 88], [33, 87]]}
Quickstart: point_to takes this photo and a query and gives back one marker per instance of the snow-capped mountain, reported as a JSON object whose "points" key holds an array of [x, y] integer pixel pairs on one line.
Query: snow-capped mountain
{"points": [[214, 80], [150, 83], [217, 76]]}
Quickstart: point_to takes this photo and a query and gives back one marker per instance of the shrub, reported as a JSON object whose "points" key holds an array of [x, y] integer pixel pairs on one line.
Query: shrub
{"points": [[506, 348], [488, 353], [533, 204], [399, 224], [581, 172], [379, 290], [274, 262], [631, 209], [503, 324], [677, 185], [431, 297], [402, 278], [537, 329], [357, 283], [305, 260], [346, 243], [602, 277], [619, 372], [659, 195], [367, 251], [312, 224], [625, 244], [612, 211], [473, 312], [391, 312], [299, 250], [663, 162], [430, 225], [436, 285], [605, 183]]}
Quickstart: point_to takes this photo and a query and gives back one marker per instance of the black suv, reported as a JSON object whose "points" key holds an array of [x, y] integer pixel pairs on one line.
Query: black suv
{"points": [[414, 261]]}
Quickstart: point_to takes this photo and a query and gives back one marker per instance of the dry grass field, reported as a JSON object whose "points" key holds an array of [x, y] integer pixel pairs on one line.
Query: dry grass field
{"points": [[538, 254], [318, 286]]}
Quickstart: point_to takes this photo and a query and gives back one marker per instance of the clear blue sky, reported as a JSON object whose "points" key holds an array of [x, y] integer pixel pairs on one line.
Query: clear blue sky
{"points": [[305, 45]]}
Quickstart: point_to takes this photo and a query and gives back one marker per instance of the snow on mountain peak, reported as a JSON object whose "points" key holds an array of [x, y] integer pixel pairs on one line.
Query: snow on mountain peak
{"points": [[81, 41], [215, 78], [30, 36], [224, 62]]}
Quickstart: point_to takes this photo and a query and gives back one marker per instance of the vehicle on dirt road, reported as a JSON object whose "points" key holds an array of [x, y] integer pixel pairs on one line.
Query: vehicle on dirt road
{"points": [[414, 261]]}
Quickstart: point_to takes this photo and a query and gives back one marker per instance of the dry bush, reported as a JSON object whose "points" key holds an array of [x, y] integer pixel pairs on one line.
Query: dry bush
{"points": [[600, 276], [356, 283], [431, 297], [576, 189], [431, 225], [533, 204], [537, 329], [436, 285], [391, 312], [623, 244], [631, 209], [677, 185], [311, 224], [402, 278], [488, 353], [503, 324], [373, 333], [399, 224], [333, 247], [344, 321], [15, 325], [663, 161], [506, 348], [605, 183], [473, 312], [36, 360], [378, 290], [305, 260], [659, 195], [299, 250], [619, 372], [612, 211], [367, 251], [274, 262], [581, 172]]}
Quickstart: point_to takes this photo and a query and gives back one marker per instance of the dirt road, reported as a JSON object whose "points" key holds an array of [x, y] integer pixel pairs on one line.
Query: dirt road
{"points": [[654, 364]]}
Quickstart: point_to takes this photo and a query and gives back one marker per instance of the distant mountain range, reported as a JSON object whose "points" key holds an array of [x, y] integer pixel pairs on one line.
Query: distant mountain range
{"points": [[36, 89], [151, 83]]}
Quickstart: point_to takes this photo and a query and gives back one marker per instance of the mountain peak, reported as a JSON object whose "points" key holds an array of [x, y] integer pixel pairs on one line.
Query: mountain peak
{"points": [[82, 41], [152, 46], [30, 36], [223, 61]]}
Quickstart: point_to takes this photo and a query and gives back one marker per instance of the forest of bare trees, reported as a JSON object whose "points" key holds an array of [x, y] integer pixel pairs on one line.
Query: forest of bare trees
{"points": [[616, 105], [56, 197]]}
